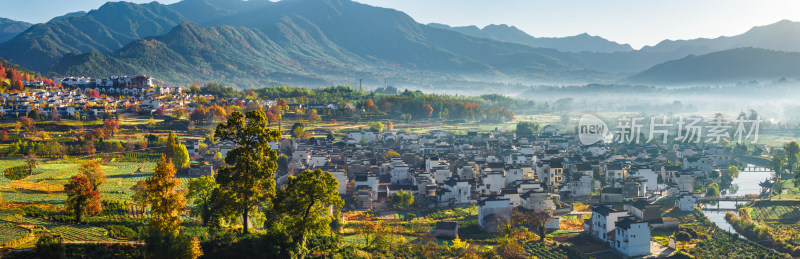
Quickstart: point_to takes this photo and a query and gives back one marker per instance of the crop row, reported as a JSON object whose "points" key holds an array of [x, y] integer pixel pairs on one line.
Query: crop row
{"points": [[776, 212], [539, 250], [82, 233], [10, 232]]}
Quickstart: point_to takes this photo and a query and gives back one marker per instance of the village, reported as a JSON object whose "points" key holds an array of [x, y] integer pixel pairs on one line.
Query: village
{"points": [[501, 172], [625, 191]]}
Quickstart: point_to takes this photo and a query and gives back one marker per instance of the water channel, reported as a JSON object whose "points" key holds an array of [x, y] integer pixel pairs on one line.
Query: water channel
{"points": [[746, 183]]}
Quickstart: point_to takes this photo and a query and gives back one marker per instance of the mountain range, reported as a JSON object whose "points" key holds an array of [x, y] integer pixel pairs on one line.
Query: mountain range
{"points": [[578, 43], [316, 42], [727, 66], [11, 28]]}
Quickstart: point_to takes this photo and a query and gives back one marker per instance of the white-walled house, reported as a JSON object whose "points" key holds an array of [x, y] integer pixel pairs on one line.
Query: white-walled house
{"points": [[603, 220], [650, 177], [632, 237], [460, 189], [537, 201], [492, 211], [686, 201], [341, 176], [493, 181]]}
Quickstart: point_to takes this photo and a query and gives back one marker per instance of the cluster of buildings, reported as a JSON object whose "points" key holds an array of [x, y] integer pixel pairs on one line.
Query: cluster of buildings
{"points": [[117, 85], [501, 172]]}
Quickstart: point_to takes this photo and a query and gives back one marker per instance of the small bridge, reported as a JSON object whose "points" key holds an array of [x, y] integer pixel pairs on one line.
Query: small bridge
{"points": [[729, 198], [757, 169]]}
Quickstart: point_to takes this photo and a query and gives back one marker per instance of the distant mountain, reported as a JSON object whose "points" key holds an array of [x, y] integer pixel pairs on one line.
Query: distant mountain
{"points": [[68, 15], [188, 54], [728, 66], [578, 43], [104, 30], [391, 37], [311, 40], [202, 11], [10, 28], [783, 35]]}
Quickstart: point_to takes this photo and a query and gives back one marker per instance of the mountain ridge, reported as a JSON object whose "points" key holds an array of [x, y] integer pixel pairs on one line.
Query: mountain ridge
{"points": [[11, 28], [727, 66], [577, 43]]}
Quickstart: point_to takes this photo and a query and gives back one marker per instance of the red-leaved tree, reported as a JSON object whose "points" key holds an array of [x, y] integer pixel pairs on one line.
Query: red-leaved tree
{"points": [[82, 198]]}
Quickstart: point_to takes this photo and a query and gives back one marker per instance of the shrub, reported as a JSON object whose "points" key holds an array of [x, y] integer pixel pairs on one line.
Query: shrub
{"points": [[51, 246], [122, 232]]}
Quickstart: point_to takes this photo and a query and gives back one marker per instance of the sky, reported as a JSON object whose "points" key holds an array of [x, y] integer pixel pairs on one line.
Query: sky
{"points": [[636, 22]]}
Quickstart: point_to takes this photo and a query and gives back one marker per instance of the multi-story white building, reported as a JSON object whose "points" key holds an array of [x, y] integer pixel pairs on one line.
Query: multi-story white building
{"points": [[632, 237], [602, 222]]}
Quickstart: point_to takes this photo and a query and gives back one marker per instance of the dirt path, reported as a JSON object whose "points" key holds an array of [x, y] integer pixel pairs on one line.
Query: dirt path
{"points": [[659, 251]]}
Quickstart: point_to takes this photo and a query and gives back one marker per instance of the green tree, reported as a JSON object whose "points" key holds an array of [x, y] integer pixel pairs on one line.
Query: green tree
{"points": [[712, 190], [303, 205], [32, 161], [139, 197], [792, 152], [527, 128], [376, 126], [200, 190], [94, 172], [181, 158], [283, 163], [402, 200], [82, 198], [249, 180], [683, 236], [171, 145], [727, 176], [164, 198], [298, 129]]}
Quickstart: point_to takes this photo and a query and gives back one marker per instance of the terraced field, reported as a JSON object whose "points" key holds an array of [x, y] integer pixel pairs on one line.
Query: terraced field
{"points": [[4, 164], [776, 210], [70, 232], [82, 233], [9, 232]]}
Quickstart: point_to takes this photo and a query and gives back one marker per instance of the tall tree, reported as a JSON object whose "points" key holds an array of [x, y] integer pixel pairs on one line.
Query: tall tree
{"points": [[172, 145], [139, 197], [94, 172], [792, 152], [181, 158], [250, 178], [82, 198], [200, 190], [111, 126], [164, 199], [32, 161], [305, 203]]}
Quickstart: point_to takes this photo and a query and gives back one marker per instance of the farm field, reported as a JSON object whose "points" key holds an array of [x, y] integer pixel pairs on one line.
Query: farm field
{"points": [[45, 186], [11, 232], [788, 232], [775, 210]]}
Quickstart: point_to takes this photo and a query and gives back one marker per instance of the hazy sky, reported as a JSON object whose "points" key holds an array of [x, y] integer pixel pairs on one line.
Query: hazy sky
{"points": [[636, 22]]}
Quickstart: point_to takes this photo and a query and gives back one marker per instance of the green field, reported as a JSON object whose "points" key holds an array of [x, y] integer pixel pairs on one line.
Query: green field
{"points": [[11, 232], [775, 210]]}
